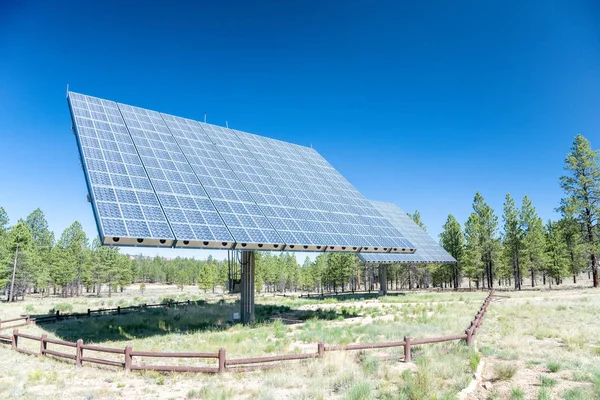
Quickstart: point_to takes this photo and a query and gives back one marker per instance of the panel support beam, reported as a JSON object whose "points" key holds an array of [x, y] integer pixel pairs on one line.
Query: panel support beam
{"points": [[247, 287], [382, 279]]}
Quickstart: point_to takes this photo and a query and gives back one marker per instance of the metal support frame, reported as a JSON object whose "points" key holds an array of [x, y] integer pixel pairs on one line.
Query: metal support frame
{"points": [[247, 287], [383, 279]]}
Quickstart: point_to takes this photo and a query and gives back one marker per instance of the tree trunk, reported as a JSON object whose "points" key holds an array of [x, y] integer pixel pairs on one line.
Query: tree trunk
{"points": [[11, 294], [574, 278]]}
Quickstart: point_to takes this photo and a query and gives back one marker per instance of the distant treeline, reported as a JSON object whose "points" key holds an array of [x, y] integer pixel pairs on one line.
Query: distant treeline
{"points": [[522, 248]]}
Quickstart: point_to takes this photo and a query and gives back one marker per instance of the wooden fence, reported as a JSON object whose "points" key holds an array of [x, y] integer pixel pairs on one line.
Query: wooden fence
{"points": [[127, 356]]}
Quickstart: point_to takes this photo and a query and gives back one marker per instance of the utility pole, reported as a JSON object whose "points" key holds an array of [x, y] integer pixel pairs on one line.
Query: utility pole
{"points": [[12, 282]]}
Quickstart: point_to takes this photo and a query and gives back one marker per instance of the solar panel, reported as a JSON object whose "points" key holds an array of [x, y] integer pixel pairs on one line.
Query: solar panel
{"points": [[125, 204], [428, 250], [160, 180]]}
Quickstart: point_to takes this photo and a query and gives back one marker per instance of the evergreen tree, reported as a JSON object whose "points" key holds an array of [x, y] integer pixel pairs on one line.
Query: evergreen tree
{"points": [[533, 239], [416, 217], [556, 251], [513, 240], [20, 247], [571, 231], [581, 186], [453, 241]]}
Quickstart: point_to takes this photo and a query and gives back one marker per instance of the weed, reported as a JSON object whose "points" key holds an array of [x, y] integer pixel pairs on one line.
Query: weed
{"points": [[546, 381], [369, 363], [517, 394], [360, 390], [474, 361], [544, 394], [553, 366], [34, 376], [504, 371]]}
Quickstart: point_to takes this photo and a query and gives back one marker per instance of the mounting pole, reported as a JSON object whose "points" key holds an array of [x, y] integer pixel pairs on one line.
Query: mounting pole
{"points": [[204, 116], [382, 279], [247, 287]]}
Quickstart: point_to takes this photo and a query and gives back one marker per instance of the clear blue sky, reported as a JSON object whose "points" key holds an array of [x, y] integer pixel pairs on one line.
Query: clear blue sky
{"points": [[418, 104]]}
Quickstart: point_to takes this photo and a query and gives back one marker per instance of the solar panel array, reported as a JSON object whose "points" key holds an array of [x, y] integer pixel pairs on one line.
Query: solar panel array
{"points": [[428, 250], [160, 180]]}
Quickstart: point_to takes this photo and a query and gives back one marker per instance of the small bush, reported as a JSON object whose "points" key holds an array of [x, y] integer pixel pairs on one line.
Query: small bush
{"points": [[546, 381], [553, 366], [544, 394], [34, 376], [517, 394], [62, 307], [505, 372], [29, 308], [576, 394], [361, 390], [369, 363], [474, 361]]}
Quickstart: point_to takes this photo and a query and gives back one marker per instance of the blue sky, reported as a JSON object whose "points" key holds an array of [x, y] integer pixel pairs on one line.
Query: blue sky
{"points": [[418, 104]]}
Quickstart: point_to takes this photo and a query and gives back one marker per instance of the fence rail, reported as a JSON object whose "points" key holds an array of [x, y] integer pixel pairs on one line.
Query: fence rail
{"points": [[223, 364]]}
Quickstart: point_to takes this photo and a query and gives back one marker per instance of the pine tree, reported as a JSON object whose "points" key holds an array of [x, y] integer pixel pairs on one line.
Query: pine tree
{"points": [[43, 241], [556, 251], [473, 251], [571, 231], [513, 240], [582, 190], [416, 217], [533, 239], [20, 247], [453, 241]]}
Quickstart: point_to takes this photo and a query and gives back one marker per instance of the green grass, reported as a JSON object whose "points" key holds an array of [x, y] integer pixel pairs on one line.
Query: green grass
{"points": [[546, 381], [505, 371], [553, 366], [360, 390], [544, 394], [517, 394]]}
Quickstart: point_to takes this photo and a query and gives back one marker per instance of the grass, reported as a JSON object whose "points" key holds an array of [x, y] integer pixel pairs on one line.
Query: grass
{"points": [[205, 327], [505, 371], [553, 366], [517, 394]]}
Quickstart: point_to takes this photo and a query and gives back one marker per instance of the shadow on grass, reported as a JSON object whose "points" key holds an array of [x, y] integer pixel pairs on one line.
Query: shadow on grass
{"points": [[349, 296], [208, 317]]}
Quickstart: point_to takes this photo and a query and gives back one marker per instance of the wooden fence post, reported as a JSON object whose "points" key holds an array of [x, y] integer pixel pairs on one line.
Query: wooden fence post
{"points": [[469, 333], [15, 339], [321, 349], [43, 344], [57, 315], [118, 309], [222, 359], [407, 357], [79, 353], [89, 312], [128, 358], [27, 319]]}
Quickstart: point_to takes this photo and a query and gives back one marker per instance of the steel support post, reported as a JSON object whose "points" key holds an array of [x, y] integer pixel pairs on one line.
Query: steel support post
{"points": [[247, 287]]}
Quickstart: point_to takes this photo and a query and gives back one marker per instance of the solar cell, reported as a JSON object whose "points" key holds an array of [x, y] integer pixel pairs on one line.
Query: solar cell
{"points": [[157, 179], [428, 250], [125, 205]]}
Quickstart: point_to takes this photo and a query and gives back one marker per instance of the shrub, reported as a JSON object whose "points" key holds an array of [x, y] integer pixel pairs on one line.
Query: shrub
{"points": [[361, 390], [474, 361], [62, 307], [517, 394], [546, 381], [553, 366], [505, 372]]}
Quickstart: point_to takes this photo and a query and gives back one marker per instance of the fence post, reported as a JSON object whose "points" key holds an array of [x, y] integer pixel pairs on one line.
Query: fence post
{"points": [[27, 319], [222, 359], [321, 349], [118, 309], [128, 358], [407, 357], [57, 315], [79, 353], [188, 302], [469, 333], [43, 344], [15, 339], [89, 312]]}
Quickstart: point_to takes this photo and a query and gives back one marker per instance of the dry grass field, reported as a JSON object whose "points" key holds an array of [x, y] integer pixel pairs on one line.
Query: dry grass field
{"points": [[535, 344]]}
